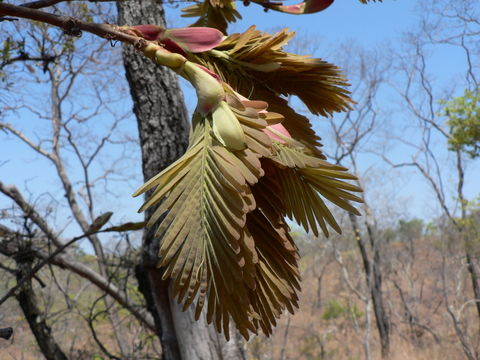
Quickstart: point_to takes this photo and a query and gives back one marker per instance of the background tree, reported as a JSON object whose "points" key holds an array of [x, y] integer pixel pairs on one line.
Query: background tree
{"points": [[445, 124], [85, 164]]}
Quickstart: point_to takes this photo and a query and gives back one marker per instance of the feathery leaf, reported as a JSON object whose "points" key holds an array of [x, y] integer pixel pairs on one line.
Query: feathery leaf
{"points": [[240, 60], [305, 180]]}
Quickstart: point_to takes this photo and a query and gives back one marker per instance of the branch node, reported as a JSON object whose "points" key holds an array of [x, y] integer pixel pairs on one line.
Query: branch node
{"points": [[71, 27], [140, 44], [6, 333]]}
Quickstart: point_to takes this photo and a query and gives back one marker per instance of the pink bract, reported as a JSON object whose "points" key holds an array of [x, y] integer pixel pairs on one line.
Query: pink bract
{"points": [[149, 32], [195, 39], [172, 46], [281, 129], [209, 72], [305, 7]]}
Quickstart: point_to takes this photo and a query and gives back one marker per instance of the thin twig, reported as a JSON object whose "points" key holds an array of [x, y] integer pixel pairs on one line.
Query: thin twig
{"points": [[71, 25], [41, 264]]}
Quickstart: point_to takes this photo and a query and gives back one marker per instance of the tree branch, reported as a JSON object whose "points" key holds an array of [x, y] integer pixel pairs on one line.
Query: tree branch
{"points": [[46, 3], [70, 24], [8, 247], [29, 211], [42, 3], [26, 140]]}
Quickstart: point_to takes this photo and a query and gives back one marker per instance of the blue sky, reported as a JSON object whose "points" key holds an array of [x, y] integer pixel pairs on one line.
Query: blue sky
{"points": [[372, 26], [345, 19]]}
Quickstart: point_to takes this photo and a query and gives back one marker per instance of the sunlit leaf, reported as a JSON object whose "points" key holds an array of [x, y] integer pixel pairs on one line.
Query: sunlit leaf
{"points": [[306, 183]]}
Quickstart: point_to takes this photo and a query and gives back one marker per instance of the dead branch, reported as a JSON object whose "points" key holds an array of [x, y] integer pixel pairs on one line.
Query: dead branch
{"points": [[9, 248], [70, 25]]}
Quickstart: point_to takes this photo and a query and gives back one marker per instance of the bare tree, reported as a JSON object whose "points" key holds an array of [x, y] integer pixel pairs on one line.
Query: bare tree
{"points": [[351, 131], [452, 24], [65, 134]]}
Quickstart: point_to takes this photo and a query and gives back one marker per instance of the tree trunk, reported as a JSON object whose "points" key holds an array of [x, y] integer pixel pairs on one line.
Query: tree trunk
{"points": [[36, 318], [471, 266], [374, 283], [163, 128], [474, 276]]}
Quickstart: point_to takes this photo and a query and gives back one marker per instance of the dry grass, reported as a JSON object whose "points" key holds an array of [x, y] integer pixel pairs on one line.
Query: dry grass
{"points": [[331, 321], [312, 335]]}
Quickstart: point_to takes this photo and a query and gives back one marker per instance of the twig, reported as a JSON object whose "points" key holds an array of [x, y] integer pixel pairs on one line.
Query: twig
{"points": [[41, 264], [41, 3], [71, 25], [29, 211], [92, 276]]}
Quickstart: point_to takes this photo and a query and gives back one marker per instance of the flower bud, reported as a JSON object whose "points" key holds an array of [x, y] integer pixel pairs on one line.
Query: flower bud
{"points": [[278, 133], [209, 90], [227, 128], [148, 32]]}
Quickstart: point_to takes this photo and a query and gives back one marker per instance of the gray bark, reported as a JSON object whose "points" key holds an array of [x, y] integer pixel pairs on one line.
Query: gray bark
{"points": [[163, 129], [36, 318], [469, 252], [374, 283]]}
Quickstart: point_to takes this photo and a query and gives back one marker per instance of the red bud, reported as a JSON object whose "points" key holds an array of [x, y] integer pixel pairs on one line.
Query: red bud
{"points": [[149, 32]]}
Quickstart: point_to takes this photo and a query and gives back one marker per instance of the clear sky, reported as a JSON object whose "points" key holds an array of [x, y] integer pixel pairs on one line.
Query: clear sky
{"points": [[344, 19], [372, 26]]}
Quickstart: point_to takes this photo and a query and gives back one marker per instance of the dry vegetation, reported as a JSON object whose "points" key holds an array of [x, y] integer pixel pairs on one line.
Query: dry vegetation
{"points": [[75, 311], [335, 319], [331, 321]]}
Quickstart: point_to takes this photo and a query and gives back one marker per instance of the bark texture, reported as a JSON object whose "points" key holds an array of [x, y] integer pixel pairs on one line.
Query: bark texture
{"points": [[163, 127], [374, 283], [36, 318]]}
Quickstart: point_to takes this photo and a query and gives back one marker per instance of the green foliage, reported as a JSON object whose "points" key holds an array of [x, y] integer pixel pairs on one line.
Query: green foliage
{"points": [[335, 310], [463, 119], [470, 224], [410, 229], [311, 350], [11, 48], [389, 235], [256, 348], [6, 50]]}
